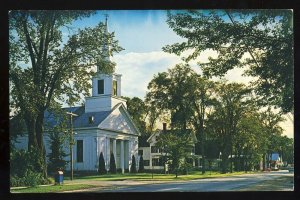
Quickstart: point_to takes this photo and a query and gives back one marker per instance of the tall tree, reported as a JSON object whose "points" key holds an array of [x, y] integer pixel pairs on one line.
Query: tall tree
{"points": [[260, 41], [272, 130], [138, 111], [171, 91], [287, 149], [45, 68], [186, 96], [250, 141], [232, 101]]}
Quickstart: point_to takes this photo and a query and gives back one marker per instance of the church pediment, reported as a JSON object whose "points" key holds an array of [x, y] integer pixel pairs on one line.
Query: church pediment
{"points": [[119, 120]]}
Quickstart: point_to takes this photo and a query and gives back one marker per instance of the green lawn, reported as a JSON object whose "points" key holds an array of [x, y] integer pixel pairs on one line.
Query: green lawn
{"points": [[51, 188], [156, 177], [85, 182]]}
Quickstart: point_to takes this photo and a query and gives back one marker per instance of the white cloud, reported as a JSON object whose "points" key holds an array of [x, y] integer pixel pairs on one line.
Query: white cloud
{"points": [[137, 70]]}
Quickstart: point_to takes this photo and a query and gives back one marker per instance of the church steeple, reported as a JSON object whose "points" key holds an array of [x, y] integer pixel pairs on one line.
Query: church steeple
{"points": [[106, 44], [106, 87]]}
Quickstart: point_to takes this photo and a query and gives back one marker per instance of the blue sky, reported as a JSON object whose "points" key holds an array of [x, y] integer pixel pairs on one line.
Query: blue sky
{"points": [[143, 33], [137, 30]]}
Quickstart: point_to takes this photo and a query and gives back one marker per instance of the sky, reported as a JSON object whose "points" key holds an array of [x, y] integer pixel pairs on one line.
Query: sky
{"points": [[143, 33]]}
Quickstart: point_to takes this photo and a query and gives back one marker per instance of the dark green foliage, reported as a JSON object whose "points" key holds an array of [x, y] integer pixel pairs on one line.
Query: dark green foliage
{"points": [[101, 168], [141, 164], [133, 165], [185, 95], [26, 168], [176, 148], [265, 36], [138, 112], [112, 164], [22, 160], [57, 155], [232, 102]]}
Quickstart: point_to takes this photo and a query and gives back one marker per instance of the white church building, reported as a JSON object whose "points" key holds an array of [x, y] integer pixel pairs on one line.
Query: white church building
{"points": [[103, 125]]}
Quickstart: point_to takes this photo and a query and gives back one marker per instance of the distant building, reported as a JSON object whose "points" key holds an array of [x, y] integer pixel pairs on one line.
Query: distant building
{"points": [[102, 125], [275, 161], [152, 155]]}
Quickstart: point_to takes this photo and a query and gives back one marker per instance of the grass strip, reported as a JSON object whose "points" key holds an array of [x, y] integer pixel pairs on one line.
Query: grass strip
{"points": [[51, 188], [156, 177]]}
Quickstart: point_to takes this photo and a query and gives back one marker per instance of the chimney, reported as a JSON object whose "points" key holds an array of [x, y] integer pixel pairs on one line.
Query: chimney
{"points": [[164, 127]]}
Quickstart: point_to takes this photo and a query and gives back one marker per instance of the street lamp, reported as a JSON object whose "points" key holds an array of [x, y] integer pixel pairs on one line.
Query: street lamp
{"points": [[71, 142]]}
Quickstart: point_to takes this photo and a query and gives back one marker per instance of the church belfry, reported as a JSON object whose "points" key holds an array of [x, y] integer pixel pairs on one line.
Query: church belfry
{"points": [[106, 88]]}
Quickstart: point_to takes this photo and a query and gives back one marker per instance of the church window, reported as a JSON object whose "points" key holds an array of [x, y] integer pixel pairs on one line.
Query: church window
{"points": [[115, 87], [79, 151], [91, 119], [101, 86]]}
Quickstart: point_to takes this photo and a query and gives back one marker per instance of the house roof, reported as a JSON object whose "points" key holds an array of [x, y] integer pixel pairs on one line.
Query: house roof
{"points": [[188, 131]]}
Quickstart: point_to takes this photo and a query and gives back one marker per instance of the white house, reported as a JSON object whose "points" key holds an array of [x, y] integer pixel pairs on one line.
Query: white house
{"points": [[102, 125], [152, 156]]}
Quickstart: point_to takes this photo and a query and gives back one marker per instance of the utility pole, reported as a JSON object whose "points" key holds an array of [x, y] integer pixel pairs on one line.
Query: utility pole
{"points": [[71, 143]]}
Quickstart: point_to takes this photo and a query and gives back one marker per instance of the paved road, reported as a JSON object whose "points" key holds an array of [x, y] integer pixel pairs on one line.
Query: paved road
{"points": [[233, 183]]}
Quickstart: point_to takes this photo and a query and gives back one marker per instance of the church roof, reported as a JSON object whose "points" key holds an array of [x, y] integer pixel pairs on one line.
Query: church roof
{"points": [[82, 120]]}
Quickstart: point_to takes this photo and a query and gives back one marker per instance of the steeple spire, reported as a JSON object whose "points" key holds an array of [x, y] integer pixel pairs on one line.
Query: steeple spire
{"points": [[106, 43], [106, 25]]}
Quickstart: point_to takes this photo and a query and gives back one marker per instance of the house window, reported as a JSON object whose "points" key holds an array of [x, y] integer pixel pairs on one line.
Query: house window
{"points": [[146, 162], [140, 152], [91, 119], [115, 87], [101, 86], [79, 151], [154, 149], [157, 162]]}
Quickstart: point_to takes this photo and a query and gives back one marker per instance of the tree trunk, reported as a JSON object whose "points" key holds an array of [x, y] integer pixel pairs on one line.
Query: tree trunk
{"points": [[40, 142], [224, 163], [30, 124], [264, 162]]}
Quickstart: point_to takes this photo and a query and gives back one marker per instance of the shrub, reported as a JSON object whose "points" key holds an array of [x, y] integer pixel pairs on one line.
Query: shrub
{"points": [[112, 164], [141, 164], [101, 168], [57, 154], [133, 165], [26, 168], [29, 179]]}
